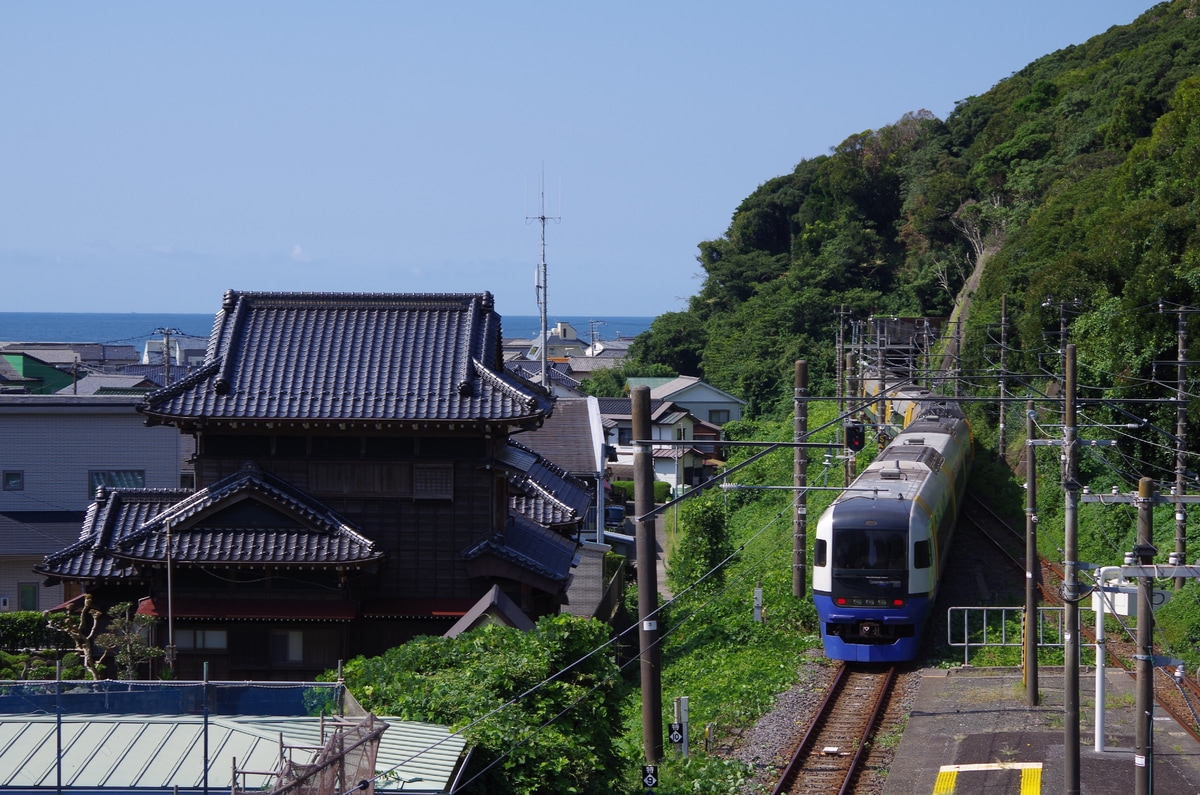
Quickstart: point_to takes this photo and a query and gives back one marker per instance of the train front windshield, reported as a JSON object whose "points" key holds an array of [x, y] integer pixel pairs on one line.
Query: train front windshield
{"points": [[870, 549]]}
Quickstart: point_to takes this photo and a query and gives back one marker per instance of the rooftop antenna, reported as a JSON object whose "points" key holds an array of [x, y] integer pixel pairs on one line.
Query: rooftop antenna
{"points": [[540, 287]]}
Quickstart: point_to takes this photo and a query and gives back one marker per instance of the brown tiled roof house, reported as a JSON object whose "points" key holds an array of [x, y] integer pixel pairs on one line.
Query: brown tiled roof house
{"points": [[356, 485]]}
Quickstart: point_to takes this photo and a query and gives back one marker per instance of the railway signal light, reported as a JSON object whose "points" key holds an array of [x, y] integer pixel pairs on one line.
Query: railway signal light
{"points": [[856, 436]]}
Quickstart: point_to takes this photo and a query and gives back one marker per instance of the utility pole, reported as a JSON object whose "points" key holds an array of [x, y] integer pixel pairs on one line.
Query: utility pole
{"points": [[881, 410], [1144, 551], [1070, 582], [167, 332], [1031, 559], [800, 478], [1139, 565], [1002, 442], [647, 575], [840, 362], [852, 389], [1180, 443], [1181, 364]]}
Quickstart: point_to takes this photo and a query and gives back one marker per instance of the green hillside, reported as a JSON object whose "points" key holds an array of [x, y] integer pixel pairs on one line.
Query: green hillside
{"points": [[1075, 178]]}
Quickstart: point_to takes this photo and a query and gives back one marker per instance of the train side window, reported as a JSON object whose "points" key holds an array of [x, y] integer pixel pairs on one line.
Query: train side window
{"points": [[921, 555], [820, 553]]}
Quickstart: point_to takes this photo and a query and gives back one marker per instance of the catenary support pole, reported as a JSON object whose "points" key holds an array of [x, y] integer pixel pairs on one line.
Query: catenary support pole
{"points": [[800, 478], [1070, 582], [1002, 426], [1143, 753], [1032, 569], [647, 575], [1181, 445]]}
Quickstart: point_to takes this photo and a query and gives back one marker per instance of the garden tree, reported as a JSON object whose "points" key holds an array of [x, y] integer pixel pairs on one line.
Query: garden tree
{"points": [[540, 708], [702, 544], [605, 382], [81, 628], [127, 639], [613, 381]]}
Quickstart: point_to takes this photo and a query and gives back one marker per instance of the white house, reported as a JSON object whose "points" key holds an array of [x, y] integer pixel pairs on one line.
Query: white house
{"points": [[678, 464], [56, 450], [703, 400]]}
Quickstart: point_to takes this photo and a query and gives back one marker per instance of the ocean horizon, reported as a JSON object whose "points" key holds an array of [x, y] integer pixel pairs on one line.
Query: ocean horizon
{"points": [[134, 328]]}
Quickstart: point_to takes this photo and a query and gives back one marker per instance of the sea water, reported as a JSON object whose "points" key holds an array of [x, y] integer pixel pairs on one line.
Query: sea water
{"points": [[134, 328]]}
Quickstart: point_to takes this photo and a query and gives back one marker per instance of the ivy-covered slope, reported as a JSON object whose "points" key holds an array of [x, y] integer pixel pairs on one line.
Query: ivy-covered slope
{"points": [[1075, 178]]}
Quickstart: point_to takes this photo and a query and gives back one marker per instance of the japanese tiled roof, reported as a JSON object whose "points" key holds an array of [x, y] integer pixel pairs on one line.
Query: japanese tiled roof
{"points": [[623, 407], [369, 358], [541, 491], [530, 546], [532, 371], [250, 517]]}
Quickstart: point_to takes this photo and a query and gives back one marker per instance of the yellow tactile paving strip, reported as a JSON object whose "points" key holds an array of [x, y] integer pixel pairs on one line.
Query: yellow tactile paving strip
{"points": [[1031, 776]]}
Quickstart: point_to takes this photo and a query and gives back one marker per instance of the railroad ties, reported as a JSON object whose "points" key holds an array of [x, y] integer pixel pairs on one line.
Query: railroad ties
{"points": [[832, 750]]}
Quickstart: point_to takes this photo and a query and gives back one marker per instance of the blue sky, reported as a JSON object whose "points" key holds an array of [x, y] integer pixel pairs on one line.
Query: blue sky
{"points": [[153, 155]]}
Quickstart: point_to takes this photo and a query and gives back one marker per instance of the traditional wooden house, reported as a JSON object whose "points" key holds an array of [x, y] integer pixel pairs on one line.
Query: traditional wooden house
{"points": [[356, 486]]}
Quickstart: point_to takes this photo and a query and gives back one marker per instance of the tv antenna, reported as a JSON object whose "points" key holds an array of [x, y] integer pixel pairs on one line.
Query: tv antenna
{"points": [[540, 282]]}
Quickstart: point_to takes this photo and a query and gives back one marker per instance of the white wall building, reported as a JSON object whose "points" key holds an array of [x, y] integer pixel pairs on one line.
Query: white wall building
{"points": [[55, 451]]}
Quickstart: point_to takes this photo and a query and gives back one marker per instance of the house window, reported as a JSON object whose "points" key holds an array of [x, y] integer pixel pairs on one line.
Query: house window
{"points": [[681, 434], [27, 593], [718, 416], [433, 481], [624, 436], [116, 479], [14, 480], [187, 480], [187, 639], [287, 646]]}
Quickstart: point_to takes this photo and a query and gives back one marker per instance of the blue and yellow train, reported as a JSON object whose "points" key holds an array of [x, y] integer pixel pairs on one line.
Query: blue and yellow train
{"points": [[881, 548]]}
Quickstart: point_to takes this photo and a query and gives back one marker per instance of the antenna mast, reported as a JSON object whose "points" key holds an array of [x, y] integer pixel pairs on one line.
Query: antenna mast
{"points": [[540, 288]]}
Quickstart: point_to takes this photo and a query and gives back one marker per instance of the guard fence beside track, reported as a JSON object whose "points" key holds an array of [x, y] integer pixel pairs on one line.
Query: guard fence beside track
{"points": [[978, 627]]}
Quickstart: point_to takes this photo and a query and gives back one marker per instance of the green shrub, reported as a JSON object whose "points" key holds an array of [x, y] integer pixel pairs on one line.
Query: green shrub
{"points": [[27, 629], [623, 491]]}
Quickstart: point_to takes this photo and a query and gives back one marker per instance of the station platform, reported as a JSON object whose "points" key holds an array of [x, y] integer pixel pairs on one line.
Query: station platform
{"points": [[969, 731]]}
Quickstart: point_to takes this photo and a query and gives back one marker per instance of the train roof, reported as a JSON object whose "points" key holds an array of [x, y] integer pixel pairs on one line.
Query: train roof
{"points": [[937, 409], [860, 509]]}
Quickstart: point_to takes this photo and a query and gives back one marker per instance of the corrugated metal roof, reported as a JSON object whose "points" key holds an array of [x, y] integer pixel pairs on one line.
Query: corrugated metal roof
{"points": [[352, 357], [165, 751]]}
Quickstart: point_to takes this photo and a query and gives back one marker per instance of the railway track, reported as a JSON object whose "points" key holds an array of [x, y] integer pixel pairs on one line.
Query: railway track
{"points": [[832, 751]]}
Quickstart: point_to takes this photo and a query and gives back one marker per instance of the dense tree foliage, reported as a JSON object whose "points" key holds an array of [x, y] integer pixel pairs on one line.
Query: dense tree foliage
{"points": [[1075, 178], [703, 544], [540, 708], [614, 381]]}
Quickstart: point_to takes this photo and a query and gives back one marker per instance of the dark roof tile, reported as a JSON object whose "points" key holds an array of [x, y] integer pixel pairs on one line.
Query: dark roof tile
{"points": [[352, 357], [127, 527]]}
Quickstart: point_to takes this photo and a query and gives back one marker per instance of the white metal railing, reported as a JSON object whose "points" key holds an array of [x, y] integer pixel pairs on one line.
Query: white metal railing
{"points": [[976, 627]]}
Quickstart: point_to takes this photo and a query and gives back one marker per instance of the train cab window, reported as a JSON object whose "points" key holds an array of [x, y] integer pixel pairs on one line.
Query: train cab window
{"points": [[869, 549], [820, 553], [921, 559]]}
